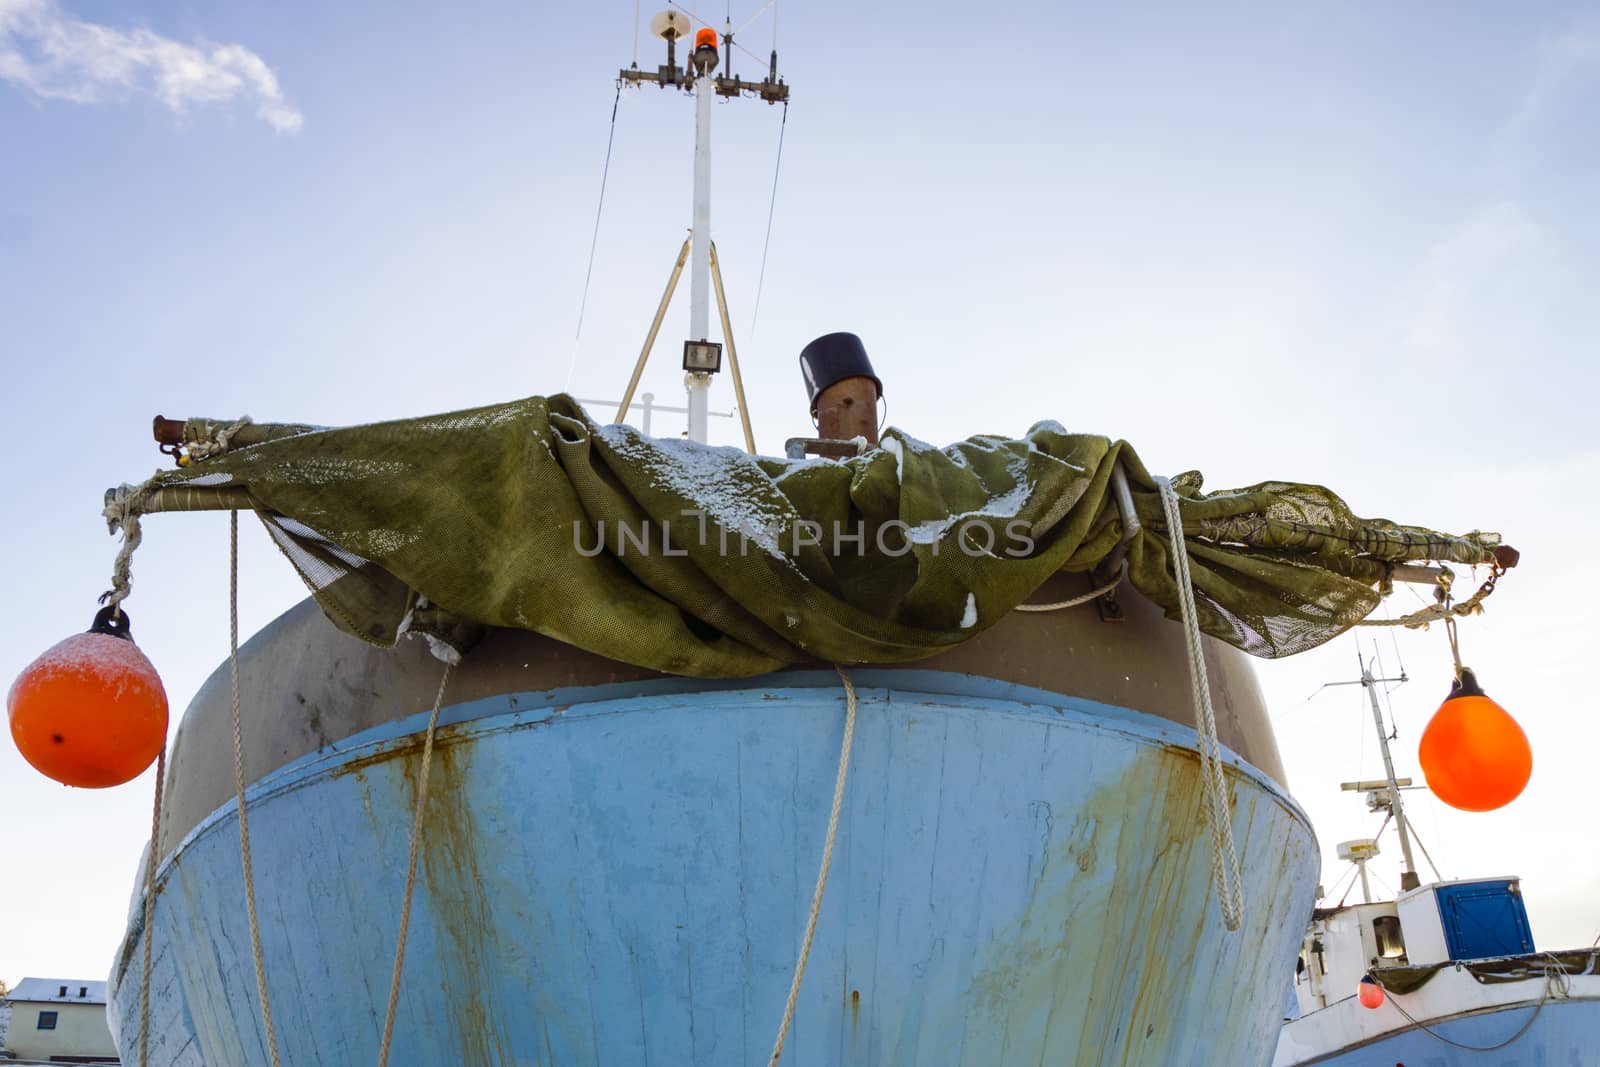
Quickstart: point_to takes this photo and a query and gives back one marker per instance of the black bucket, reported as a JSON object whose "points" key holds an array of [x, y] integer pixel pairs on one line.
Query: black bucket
{"points": [[832, 358]]}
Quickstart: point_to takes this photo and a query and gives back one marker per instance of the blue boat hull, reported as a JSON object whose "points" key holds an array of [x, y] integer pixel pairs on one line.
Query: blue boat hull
{"points": [[621, 875]]}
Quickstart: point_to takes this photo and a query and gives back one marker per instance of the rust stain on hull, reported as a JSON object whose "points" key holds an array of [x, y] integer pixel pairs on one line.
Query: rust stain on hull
{"points": [[451, 888], [1136, 861]]}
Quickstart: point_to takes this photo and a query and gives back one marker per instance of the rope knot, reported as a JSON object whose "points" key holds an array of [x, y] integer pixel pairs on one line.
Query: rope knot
{"points": [[218, 443]]}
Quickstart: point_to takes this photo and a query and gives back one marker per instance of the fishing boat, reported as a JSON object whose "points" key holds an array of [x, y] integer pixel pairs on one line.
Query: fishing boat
{"points": [[1443, 973], [901, 755]]}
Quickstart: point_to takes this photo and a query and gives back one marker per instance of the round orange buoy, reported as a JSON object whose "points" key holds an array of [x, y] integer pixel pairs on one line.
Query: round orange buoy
{"points": [[1472, 752], [91, 711], [1369, 992]]}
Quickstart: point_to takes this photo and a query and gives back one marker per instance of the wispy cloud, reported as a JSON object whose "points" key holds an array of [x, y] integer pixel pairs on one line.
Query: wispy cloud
{"points": [[1483, 292], [53, 56], [1561, 61]]}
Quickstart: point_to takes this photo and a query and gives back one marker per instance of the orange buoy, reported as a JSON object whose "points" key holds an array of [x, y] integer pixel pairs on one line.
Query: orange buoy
{"points": [[1369, 992], [91, 711], [1472, 752]]}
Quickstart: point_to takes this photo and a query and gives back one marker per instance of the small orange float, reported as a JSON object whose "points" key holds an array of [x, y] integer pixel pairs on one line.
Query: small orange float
{"points": [[1369, 992], [91, 711]]}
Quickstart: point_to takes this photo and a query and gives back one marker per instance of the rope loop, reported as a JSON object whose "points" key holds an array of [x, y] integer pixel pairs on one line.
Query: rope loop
{"points": [[238, 782], [1444, 609]]}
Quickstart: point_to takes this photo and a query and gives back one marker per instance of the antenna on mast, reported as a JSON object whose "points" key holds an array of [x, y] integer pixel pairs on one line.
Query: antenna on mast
{"points": [[702, 357], [1384, 794]]}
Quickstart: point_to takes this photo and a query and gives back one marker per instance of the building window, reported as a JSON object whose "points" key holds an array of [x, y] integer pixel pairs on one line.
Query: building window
{"points": [[83, 991], [63, 992], [47, 1020]]}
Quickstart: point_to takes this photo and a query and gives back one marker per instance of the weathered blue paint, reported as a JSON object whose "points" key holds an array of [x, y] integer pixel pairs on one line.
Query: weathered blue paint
{"points": [[1563, 1035], [622, 877]]}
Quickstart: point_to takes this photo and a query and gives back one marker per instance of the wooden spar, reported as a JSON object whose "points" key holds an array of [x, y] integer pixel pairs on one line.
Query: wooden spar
{"points": [[194, 498], [174, 433], [733, 355]]}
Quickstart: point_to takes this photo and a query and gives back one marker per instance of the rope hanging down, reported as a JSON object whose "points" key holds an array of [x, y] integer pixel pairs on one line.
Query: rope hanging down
{"points": [[1224, 856], [822, 872], [244, 838], [125, 504], [150, 909], [411, 870], [123, 507], [238, 784]]}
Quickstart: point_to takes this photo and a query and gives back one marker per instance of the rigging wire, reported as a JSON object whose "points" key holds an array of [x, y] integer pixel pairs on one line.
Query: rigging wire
{"points": [[594, 241], [772, 205], [707, 22], [1377, 657], [1395, 640], [758, 13], [1350, 873]]}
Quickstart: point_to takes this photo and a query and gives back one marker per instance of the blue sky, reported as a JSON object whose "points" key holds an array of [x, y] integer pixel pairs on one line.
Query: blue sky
{"points": [[1348, 245]]}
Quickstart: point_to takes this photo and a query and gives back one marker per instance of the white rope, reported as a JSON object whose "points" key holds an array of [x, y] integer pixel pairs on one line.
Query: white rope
{"points": [[121, 512], [244, 837], [1122, 572], [238, 782], [150, 910], [218, 443], [822, 872], [411, 870], [1224, 856]]}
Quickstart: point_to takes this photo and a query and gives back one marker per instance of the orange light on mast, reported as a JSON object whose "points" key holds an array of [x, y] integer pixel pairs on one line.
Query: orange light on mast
{"points": [[705, 37]]}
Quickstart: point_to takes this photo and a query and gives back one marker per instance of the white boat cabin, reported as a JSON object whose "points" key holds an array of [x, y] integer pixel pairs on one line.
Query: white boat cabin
{"points": [[1466, 919]]}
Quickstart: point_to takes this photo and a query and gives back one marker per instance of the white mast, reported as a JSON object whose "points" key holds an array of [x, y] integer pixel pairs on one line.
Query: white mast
{"points": [[1387, 792], [1408, 866], [698, 383], [702, 357]]}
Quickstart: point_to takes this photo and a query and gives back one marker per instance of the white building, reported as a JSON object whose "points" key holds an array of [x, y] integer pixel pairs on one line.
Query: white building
{"points": [[55, 1020]]}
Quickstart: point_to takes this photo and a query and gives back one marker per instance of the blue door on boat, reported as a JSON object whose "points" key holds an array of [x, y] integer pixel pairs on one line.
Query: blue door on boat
{"points": [[1484, 919]]}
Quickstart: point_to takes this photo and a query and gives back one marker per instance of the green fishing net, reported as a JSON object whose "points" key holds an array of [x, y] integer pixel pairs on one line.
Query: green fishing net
{"points": [[705, 561]]}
